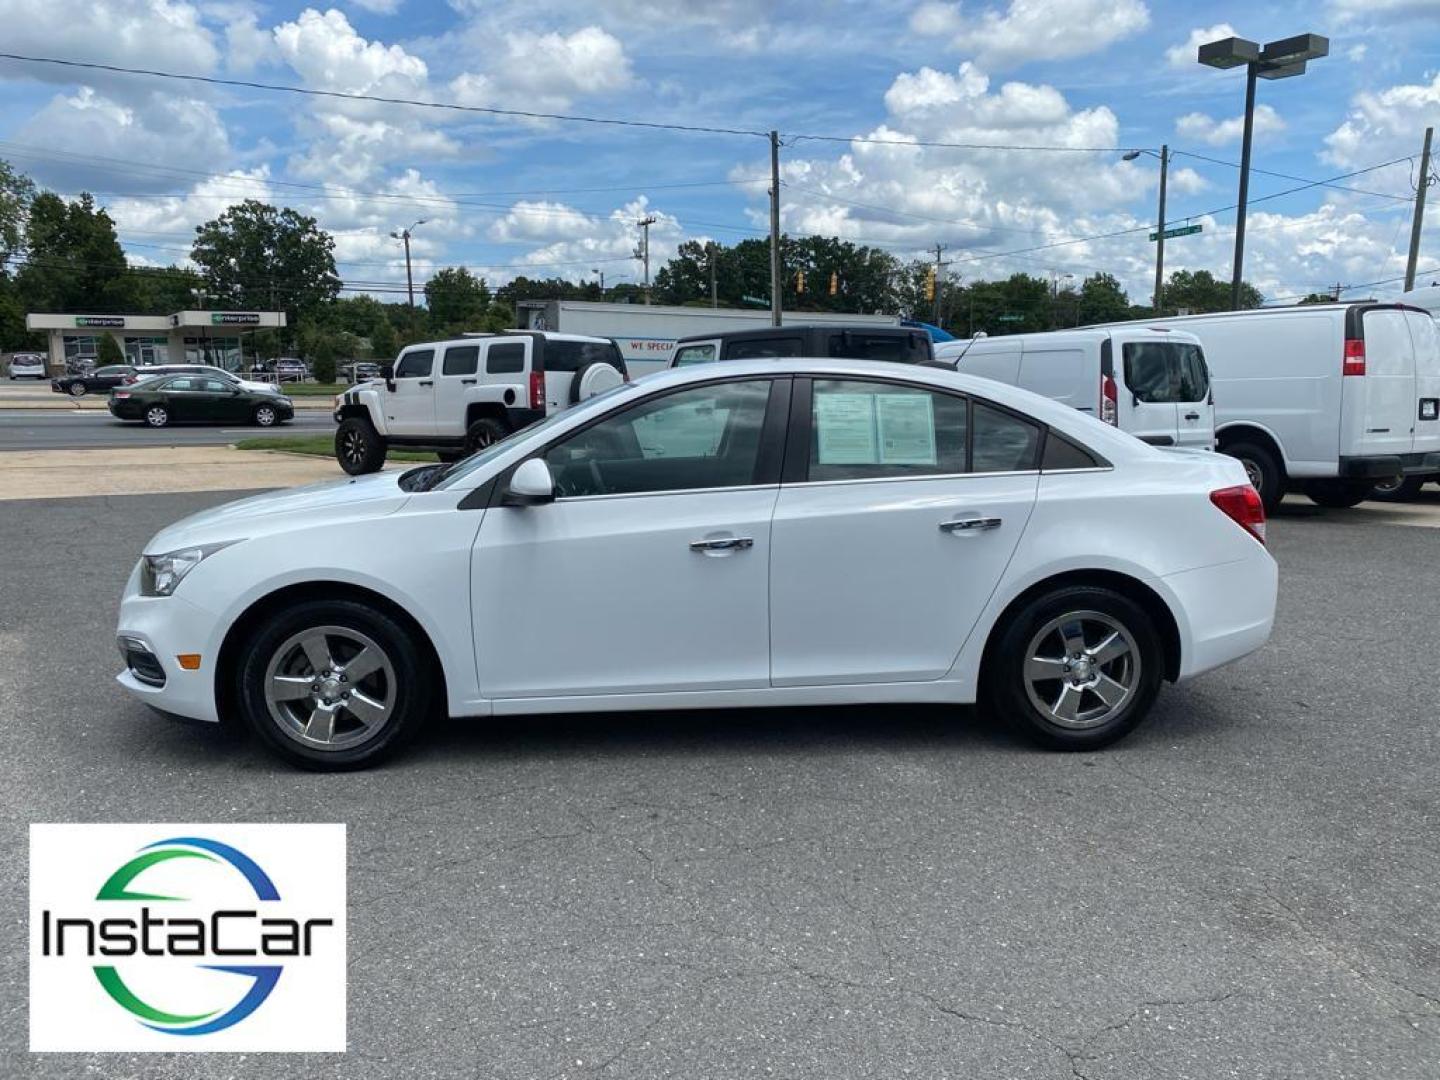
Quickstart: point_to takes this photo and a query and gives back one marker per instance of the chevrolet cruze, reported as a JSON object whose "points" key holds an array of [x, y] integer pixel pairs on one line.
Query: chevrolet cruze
{"points": [[771, 532]]}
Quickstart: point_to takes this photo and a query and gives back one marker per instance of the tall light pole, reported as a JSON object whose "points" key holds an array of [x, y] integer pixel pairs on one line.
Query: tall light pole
{"points": [[1275, 60], [643, 253], [775, 316], [597, 270], [1160, 221], [404, 234], [1419, 221]]}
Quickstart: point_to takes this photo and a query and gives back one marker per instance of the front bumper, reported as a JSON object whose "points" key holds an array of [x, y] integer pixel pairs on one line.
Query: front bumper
{"points": [[1228, 611], [167, 626]]}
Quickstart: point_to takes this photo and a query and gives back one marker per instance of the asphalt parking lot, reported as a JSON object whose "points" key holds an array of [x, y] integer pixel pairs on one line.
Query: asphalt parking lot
{"points": [[1246, 887]]}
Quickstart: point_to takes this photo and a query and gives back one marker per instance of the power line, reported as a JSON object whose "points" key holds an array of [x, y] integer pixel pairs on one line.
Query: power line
{"points": [[1304, 179], [449, 106], [792, 139]]}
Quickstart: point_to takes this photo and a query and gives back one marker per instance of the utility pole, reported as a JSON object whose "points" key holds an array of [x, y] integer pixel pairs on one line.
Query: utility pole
{"points": [[775, 228], [939, 267], [644, 253], [597, 270], [1160, 231], [404, 234], [1419, 212], [714, 292], [1238, 269]]}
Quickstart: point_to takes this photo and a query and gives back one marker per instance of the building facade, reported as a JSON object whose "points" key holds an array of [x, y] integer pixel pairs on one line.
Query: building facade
{"points": [[186, 337]]}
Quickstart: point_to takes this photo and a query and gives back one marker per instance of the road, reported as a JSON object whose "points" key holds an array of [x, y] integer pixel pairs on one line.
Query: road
{"points": [[1245, 887], [37, 429]]}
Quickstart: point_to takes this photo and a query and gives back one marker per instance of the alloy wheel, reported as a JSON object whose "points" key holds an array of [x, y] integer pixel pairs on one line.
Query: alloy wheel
{"points": [[330, 688], [1081, 669], [352, 445], [1252, 470], [265, 416], [77, 389], [157, 417]]}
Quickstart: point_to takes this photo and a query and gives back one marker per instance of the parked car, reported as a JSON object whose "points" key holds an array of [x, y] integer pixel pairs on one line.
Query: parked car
{"points": [[27, 366], [289, 369], [897, 344], [459, 396], [152, 371], [771, 532], [185, 398], [1327, 399], [1152, 383], [361, 372], [93, 381]]}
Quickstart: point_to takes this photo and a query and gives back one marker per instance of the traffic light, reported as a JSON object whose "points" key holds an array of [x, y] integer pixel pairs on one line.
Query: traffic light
{"points": [[930, 284], [834, 282], [799, 281]]}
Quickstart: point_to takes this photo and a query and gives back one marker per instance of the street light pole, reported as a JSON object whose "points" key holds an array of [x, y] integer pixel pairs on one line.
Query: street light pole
{"points": [[775, 228], [1160, 232], [1419, 220], [1276, 60], [597, 270], [404, 234]]}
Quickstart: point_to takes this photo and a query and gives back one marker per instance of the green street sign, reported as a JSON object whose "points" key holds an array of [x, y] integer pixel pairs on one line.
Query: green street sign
{"points": [[1009, 318], [755, 300], [1179, 230]]}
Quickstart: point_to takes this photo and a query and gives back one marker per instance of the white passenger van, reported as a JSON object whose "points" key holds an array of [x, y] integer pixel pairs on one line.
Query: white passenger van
{"points": [[1324, 398], [1152, 383]]}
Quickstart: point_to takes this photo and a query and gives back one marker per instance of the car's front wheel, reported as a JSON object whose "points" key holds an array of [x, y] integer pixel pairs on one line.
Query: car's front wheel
{"points": [[265, 416], [359, 447], [1076, 668], [77, 389], [157, 416], [1397, 488], [334, 684]]}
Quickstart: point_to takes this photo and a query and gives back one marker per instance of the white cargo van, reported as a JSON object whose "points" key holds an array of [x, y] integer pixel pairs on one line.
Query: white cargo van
{"points": [[1152, 383], [1324, 398]]}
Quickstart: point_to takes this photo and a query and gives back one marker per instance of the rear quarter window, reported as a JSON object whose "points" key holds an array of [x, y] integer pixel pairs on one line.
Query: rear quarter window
{"points": [[573, 355]]}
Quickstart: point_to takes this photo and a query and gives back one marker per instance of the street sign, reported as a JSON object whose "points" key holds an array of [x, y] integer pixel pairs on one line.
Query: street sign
{"points": [[1179, 230], [762, 301], [1009, 318]]}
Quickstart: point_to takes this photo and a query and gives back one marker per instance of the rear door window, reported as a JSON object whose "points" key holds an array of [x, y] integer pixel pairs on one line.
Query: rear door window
{"points": [[891, 348], [573, 355], [505, 358], [461, 360], [763, 348], [695, 354], [1194, 375], [1151, 372]]}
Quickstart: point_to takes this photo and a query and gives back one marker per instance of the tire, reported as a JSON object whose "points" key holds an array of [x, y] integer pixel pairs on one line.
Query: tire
{"points": [[319, 724], [265, 416], [1398, 489], [1263, 469], [1036, 706], [484, 432], [603, 375], [1337, 494], [76, 389], [358, 447], [157, 416]]}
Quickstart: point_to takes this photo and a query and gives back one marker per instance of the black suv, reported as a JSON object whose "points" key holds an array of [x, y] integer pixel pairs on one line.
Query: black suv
{"points": [[898, 344]]}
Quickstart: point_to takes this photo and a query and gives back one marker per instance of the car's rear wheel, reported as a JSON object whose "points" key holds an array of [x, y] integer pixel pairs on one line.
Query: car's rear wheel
{"points": [[1263, 469], [1076, 668], [359, 447], [157, 416], [484, 432], [265, 416], [1398, 488], [1337, 494], [77, 389], [334, 684]]}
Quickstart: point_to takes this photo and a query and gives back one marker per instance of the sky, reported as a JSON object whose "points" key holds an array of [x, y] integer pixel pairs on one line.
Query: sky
{"points": [[853, 86]]}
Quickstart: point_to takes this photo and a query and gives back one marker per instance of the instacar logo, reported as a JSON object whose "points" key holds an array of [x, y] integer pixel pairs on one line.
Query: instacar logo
{"points": [[185, 941]]}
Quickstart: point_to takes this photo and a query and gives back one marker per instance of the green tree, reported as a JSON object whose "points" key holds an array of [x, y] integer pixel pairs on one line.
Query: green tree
{"points": [[1102, 300], [260, 257], [163, 290], [384, 344], [1199, 291], [108, 351], [17, 191], [73, 261], [456, 300], [1319, 298]]}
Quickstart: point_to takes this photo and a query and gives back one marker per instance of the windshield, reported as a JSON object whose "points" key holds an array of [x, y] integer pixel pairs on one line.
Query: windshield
{"points": [[447, 476]]}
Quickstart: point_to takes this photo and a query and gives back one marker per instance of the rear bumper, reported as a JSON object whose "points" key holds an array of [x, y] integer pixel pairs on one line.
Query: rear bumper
{"points": [[1225, 612], [1383, 466]]}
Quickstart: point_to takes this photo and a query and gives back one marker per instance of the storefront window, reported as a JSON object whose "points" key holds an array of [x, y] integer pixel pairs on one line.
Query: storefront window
{"points": [[223, 352], [142, 351]]}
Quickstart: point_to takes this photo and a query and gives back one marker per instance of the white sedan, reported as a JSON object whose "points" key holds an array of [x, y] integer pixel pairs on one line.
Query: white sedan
{"points": [[771, 532]]}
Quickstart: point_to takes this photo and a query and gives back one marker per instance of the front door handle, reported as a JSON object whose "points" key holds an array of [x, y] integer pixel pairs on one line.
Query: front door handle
{"points": [[426, 382], [722, 543], [467, 382], [969, 524], [1192, 416]]}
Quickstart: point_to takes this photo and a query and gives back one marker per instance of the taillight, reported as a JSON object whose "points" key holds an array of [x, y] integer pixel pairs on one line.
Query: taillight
{"points": [[1109, 400], [121, 394], [537, 390], [1242, 505], [1354, 357]]}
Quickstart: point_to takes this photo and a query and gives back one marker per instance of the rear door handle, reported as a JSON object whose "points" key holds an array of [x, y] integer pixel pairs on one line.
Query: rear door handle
{"points": [[467, 382], [426, 382], [969, 524], [723, 543]]}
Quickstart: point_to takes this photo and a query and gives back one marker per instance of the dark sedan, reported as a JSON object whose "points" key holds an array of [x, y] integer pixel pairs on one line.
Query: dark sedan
{"points": [[96, 381], [182, 398]]}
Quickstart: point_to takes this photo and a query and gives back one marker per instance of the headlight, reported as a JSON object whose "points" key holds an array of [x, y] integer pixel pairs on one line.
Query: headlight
{"points": [[160, 575]]}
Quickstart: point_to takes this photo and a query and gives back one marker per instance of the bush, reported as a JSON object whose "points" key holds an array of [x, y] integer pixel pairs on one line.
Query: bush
{"points": [[322, 364], [108, 351]]}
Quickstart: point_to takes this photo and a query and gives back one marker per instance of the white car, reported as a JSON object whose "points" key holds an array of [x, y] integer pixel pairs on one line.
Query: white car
{"points": [[154, 371], [27, 366], [771, 532]]}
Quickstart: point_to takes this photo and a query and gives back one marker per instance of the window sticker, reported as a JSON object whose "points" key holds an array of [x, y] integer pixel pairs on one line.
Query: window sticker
{"points": [[906, 428], [845, 426]]}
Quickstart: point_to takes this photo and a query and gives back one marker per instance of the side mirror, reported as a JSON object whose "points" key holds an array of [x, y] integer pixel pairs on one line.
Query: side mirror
{"points": [[531, 484], [387, 372]]}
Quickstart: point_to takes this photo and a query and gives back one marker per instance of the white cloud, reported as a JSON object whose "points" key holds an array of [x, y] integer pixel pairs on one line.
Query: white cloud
{"points": [[573, 242], [1383, 125], [1030, 30], [378, 7], [144, 33], [1357, 9], [328, 54], [247, 46], [1215, 132], [1356, 53], [546, 72], [177, 216], [1184, 54]]}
